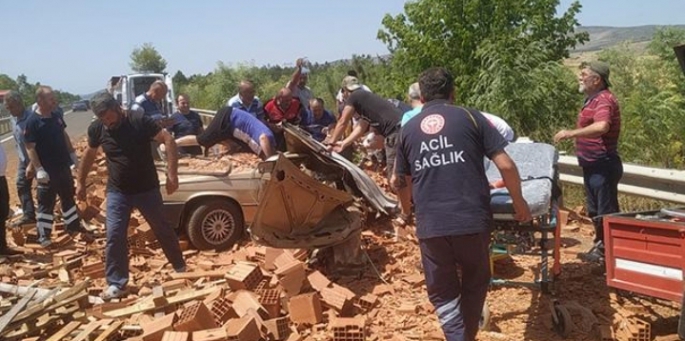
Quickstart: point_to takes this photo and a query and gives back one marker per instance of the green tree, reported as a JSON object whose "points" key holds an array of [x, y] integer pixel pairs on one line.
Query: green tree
{"points": [[146, 59], [7, 83], [449, 33]]}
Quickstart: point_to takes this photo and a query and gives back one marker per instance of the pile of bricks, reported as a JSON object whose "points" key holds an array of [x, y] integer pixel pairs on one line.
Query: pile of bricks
{"points": [[248, 293]]}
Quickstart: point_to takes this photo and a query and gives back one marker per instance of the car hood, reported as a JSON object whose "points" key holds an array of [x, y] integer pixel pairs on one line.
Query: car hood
{"points": [[355, 179], [298, 210]]}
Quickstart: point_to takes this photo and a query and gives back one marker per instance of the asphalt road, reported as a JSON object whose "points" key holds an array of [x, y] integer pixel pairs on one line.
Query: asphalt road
{"points": [[77, 127]]}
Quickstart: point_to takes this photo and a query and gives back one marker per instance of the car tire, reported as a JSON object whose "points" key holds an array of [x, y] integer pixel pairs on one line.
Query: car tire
{"points": [[215, 224]]}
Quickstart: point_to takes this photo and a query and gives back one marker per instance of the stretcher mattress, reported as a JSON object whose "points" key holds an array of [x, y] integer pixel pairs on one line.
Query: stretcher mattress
{"points": [[536, 163]]}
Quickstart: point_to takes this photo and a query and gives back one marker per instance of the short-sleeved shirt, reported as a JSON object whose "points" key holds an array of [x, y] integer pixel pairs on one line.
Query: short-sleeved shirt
{"points": [[236, 124], [145, 105], [501, 125], [315, 126], [442, 148], [380, 113], [129, 159], [48, 135], [303, 94], [410, 114], [255, 107], [602, 107], [185, 124], [18, 127]]}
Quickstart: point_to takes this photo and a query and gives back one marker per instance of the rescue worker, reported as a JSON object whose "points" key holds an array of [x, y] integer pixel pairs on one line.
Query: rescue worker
{"points": [[51, 154], [453, 216], [132, 184]]}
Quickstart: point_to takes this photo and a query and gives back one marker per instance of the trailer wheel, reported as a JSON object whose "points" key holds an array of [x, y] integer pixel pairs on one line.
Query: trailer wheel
{"points": [[563, 324]]}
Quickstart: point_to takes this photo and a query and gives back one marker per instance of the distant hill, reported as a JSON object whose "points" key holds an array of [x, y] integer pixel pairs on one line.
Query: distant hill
{"points": [[87, 97], [602, 37]]}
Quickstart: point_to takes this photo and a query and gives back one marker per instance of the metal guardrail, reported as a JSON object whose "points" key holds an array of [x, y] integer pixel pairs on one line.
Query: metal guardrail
{"points": [[5, 125], [655, 183]]}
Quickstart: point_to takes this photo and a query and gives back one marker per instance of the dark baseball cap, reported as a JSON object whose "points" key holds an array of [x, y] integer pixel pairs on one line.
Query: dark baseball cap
{"points": [[601, 68]]}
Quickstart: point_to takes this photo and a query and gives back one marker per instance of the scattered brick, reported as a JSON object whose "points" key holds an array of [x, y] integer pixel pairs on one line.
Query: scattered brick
{"points": [[195, 317], [278, 328], [216, 334], [348, 329], [244, 276], [175, 336], [305, 308]]}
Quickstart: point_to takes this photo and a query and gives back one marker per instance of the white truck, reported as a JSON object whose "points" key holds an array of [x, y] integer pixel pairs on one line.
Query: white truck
{"points": [[126, 88]]}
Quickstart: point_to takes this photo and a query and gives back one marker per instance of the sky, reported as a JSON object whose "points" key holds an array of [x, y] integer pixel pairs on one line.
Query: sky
{"points": [[77, 45]]}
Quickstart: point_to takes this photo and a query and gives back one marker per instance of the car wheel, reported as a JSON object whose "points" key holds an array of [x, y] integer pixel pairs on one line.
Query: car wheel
{"points": [[215, 224]]}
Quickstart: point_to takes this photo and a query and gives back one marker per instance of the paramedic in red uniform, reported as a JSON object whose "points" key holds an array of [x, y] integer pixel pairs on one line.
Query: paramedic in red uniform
{"points": [[596, 137], [441, 151]]}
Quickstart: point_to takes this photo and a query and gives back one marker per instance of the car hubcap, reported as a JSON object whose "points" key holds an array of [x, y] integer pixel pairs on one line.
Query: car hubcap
{"points": [[217, 226]]}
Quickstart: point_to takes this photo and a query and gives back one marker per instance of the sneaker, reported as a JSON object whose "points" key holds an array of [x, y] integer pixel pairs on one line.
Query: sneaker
{"points": [[112, 292], [595, 255], [46, 243], [23, 222]]}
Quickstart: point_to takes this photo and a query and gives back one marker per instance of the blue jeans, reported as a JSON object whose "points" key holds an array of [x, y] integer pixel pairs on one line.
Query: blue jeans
{"points": [[24, 191], [601, 190], [458, 301], [119, 208]]}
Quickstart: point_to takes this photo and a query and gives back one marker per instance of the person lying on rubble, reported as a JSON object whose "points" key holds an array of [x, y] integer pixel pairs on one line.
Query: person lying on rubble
{"points": [[453, 214], [186, 122], [132, 183], [374, 111], [284, 107], [238, 126], [318, 121]]}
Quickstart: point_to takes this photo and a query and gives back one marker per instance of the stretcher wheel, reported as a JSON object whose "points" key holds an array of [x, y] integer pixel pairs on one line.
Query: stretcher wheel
{"points": [[563, 324], [484, 322]]}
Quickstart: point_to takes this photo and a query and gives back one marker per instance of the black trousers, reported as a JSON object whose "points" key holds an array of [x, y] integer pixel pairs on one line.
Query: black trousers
{"points": [[4, 211]]}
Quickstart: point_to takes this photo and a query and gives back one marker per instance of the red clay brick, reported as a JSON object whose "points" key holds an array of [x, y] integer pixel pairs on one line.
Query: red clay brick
{"points": [[244, 300], [291, 277], [242, 329], [349, 329], [216, 334], [270, 299], [318, 281], [176, 336], [244, 276], [278, 328], [222, 311], [305, 308], [195, 317], [154, 331], [337, 300], [367, 302]]}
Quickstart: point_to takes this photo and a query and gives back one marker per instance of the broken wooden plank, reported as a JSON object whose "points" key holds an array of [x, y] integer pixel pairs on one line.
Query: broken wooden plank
{"points": [[7, 318], [65, 331], [148, 304], [113, 328], [89, 329], [199, 274]]}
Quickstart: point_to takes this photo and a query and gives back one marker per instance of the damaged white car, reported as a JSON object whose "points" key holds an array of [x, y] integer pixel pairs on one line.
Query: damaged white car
{"points": [[304, 198]]}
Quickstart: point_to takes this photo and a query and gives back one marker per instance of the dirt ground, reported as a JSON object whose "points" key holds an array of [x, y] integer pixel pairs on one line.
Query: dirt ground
{"points": [[403, 311]]}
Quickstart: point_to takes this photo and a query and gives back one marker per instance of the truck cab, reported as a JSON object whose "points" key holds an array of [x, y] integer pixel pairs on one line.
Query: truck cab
{"points": [[126, 88]]}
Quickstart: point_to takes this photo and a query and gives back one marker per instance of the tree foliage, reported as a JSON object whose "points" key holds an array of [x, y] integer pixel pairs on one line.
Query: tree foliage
{"points": [[145, 58], [449, 33]]}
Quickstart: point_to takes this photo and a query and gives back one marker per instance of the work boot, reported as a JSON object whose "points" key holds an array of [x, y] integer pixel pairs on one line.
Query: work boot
{"points": [[24, 221], [595, 255]]}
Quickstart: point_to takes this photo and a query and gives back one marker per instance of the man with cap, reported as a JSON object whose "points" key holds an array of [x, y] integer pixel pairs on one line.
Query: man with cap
{"points": [[375, 111], [596, 139], [133, 183]]}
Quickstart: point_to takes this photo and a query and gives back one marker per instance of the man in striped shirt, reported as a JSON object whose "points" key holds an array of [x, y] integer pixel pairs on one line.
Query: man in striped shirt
{"points": [[596, 140]]}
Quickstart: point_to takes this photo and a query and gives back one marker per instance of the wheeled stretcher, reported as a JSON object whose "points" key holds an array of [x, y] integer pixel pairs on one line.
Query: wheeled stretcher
{"points": [[537, 166]]}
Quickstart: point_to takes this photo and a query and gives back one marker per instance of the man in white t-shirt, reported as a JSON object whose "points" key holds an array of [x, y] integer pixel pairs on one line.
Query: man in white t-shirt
{"points": [[502, 126]]}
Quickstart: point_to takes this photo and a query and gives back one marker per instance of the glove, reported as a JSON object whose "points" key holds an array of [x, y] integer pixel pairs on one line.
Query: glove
{"points": [[42, 176], [74, 159]]}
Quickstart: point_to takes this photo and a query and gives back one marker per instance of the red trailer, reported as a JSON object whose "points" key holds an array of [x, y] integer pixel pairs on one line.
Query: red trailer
{"points": [[645, 254]]}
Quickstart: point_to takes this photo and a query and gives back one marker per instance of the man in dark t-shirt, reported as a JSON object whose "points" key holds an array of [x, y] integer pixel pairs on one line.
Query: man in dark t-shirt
{"points": [[186, 122], [441, 153], [375, 111], [132, 183], [49, 148]]}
